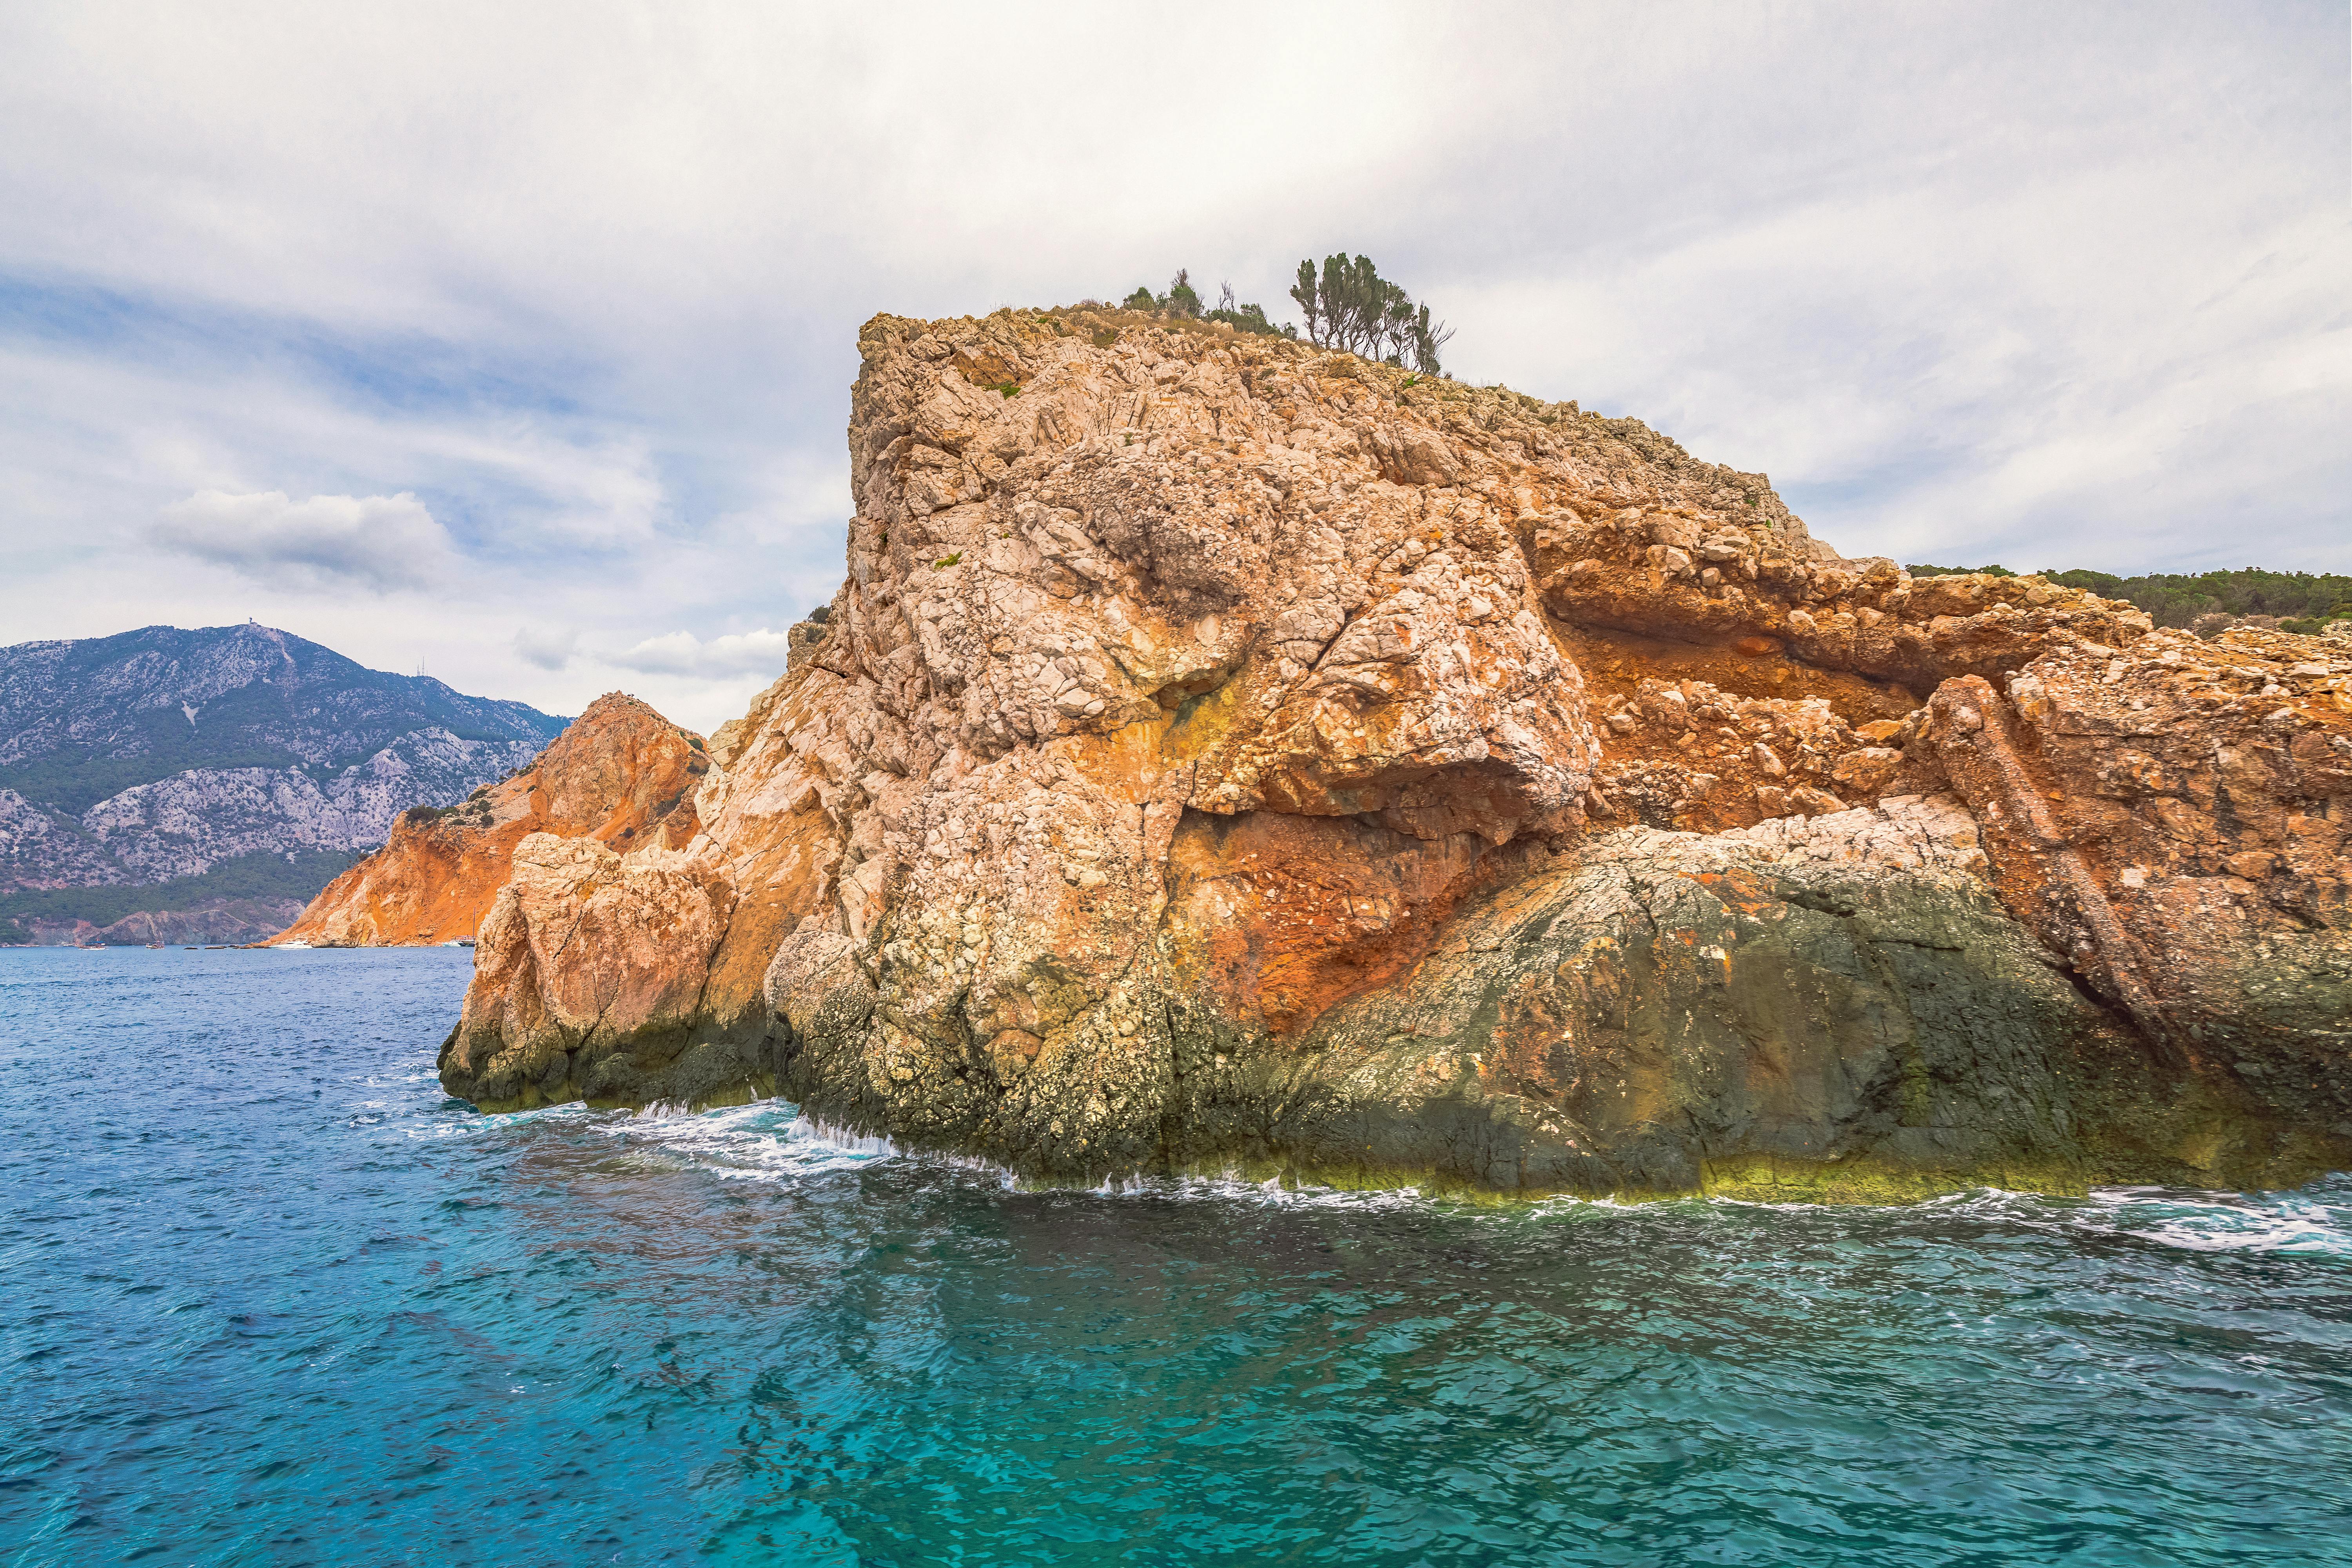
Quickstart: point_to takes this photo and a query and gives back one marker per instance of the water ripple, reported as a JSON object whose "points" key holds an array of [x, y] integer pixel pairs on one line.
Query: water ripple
{"points": [[271, 1297]]}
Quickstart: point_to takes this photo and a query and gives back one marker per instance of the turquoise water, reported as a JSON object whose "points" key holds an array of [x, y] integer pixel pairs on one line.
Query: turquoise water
{"points": [[270, 1298]]}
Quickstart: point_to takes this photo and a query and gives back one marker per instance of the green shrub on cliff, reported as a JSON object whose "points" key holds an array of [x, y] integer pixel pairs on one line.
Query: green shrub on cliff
{"points": [[1183, 300], [1246, 318], [1180, 299]]}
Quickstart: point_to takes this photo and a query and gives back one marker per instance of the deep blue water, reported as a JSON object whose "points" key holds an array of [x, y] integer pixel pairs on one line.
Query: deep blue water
{"points": [[270, 1298]]}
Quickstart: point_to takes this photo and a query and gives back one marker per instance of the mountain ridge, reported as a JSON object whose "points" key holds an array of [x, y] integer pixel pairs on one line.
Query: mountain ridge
{"points": [[153, 757], [69, 739]]}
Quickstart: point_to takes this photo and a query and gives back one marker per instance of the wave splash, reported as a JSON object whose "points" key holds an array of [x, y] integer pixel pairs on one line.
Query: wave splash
{"points": [[2313, 1221], [774, 1140], [766, 1141]]}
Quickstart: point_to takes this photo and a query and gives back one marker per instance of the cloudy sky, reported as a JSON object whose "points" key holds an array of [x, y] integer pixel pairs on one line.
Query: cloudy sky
{"points": [[514, 341]]}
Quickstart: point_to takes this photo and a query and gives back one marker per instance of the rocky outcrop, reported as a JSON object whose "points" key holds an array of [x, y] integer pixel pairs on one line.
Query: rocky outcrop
{"points": [[1225, 751], [2176, 817], [1745, 575], [621, 775], [1823, 1007]]}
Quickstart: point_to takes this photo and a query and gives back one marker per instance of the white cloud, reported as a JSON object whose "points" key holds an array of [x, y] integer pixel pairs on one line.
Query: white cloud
{"points": [[376, 542], [1957, 277], [682, 653], [548, 650]]}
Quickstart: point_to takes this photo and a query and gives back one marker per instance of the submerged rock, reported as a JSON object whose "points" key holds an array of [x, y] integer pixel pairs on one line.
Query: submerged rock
{"points": [[1225, 751]]}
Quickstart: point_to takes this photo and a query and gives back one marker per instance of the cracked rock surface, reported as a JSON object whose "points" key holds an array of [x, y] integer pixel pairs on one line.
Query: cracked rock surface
{"points": [[1226, 753]]}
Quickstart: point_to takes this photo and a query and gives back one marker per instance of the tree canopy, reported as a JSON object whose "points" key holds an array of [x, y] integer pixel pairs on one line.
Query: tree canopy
{"points": [[1349, 306]]}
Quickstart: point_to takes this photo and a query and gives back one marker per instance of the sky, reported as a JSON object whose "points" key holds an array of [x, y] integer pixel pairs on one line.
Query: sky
{"points": [[513, 344]]}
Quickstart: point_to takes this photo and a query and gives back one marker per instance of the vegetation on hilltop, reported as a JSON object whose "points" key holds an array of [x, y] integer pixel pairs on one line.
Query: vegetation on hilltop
{"points": [[2299, 601], [1246, 318], [1183, 300], [1348, 305]]}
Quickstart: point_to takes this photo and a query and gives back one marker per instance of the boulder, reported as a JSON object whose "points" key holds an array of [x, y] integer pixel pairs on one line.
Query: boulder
{"points": [[2175, 817]]}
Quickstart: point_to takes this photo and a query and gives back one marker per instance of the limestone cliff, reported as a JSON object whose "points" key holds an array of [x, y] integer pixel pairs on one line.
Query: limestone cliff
{"points": [[620, 775], [1222, 751]]}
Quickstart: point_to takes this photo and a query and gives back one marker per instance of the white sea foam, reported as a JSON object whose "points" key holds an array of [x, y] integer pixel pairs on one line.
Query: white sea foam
{"points": [[772, 1141], [2315, 1220], [1231, 1186], [767, 1140], [2312, 1222], [842, 1139]]}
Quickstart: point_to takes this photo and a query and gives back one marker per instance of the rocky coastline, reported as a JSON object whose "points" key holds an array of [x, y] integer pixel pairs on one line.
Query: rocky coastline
{"points": [[1227, 753]]}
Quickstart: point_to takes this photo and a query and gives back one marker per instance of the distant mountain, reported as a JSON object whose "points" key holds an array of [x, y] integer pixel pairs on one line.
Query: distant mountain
{"points": [[163, 769]]}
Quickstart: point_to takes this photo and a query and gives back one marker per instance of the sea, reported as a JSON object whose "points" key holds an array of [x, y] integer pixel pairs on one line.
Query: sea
{"points": [[268, 1296]]}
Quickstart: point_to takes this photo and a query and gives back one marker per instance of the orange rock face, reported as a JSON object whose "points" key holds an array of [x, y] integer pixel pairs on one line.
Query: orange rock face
{"points": [[1225, 751], [2176, 817], [1746, 575], [620, 775]]}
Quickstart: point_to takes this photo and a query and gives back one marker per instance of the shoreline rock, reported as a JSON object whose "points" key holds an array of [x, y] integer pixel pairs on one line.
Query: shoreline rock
{"points": [[1222, 750]]}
